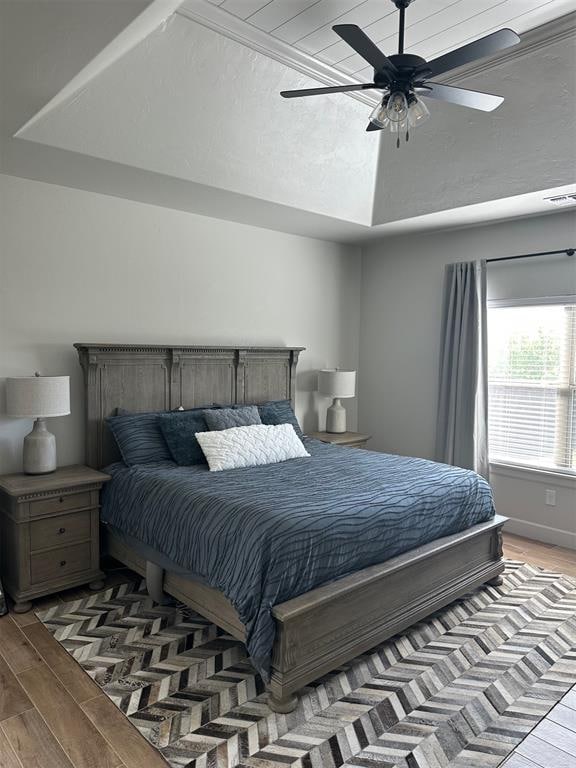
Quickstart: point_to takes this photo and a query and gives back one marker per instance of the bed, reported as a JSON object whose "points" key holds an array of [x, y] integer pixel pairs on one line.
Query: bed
{"points": [[316, 618]]}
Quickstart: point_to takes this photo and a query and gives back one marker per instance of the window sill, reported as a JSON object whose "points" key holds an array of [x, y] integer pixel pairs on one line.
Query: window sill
{"points": [[535, 474]]}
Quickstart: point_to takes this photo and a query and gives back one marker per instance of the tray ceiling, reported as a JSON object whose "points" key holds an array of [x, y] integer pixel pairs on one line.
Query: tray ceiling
{"points": [[182, 68], [433, 26]]}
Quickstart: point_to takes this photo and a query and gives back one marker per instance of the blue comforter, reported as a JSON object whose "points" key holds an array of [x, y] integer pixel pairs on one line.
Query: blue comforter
{"points": [[265, 534]]}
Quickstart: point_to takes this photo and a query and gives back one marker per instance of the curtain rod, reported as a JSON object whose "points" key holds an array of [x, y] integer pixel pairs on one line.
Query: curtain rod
{"points": [[567, 251]]}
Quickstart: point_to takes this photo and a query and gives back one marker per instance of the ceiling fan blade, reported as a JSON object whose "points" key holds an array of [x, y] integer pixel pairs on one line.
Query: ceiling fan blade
{"points": [[330, 89], [493, 43], [369, 51], [486, 102], [372, 127]]}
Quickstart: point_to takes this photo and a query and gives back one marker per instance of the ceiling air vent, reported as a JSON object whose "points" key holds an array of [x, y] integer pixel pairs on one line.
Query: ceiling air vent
{"points": [[562, 200]]}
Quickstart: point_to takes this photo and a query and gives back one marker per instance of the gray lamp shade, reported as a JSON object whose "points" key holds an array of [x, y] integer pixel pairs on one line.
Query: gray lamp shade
{"points": [[333, 382], [38, 397]]}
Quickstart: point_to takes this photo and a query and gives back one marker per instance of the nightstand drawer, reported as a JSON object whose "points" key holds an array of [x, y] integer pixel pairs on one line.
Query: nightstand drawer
{"points": [[59, 503], [58, 563], [59, 531]]}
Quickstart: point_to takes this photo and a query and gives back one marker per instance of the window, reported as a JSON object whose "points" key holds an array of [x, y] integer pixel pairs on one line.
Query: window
{"points": [[532, 384]]}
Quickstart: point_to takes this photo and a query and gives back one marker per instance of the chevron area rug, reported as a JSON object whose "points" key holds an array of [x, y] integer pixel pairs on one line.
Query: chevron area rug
{"points": [[460, 689]]}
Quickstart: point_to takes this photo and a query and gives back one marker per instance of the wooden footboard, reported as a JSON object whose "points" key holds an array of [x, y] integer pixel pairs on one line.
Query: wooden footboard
{"points": [[332, 624]]}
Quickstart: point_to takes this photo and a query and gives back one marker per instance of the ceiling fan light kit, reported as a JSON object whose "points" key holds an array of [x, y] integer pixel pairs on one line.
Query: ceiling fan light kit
{"points": [[404, 77]]}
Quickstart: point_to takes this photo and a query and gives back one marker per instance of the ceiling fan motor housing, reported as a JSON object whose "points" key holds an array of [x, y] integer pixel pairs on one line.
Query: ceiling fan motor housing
{"points": [[407, 61], [409, 67]]}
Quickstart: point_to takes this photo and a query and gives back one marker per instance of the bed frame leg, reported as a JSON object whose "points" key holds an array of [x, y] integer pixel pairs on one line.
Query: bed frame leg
{"points": [[155, 582], [282, 705], [495, 582]]}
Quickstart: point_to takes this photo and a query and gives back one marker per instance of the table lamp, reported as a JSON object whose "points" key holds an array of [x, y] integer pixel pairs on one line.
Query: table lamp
{"points": [[335, 383], [38, 397]]}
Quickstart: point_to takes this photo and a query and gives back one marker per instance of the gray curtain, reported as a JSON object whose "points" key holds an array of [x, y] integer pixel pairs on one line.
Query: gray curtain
{"points": [[462, 431]]}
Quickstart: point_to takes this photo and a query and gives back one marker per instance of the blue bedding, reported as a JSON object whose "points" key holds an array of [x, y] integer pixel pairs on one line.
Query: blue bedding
{"points": [[265, 534]]}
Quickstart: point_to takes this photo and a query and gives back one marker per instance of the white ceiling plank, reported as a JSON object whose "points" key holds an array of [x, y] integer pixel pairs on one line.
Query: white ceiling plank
{"points": [[450, 30], [384, 31], [354, 64], [317, 16], [531, 15], [277, 13], [242, 8], [433, 27], [336, 52], [447, 27], [452, 17], [363, 16], [363, 74], [516, 14]]}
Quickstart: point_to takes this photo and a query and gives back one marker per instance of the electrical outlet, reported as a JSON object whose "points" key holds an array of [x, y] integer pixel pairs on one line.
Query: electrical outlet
{"points": [[551, 498]]}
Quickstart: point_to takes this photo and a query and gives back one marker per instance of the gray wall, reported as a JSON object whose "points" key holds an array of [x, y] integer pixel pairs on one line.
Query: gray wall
{"points": [[401, 302], [462, 156], [78, 266]]}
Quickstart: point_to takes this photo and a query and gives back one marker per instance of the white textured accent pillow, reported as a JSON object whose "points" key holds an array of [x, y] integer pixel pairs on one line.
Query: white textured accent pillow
{"points": [[250, 446]]}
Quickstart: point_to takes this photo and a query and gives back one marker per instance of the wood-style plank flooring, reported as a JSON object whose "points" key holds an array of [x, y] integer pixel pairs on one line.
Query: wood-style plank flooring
{"points": [[552, 743], [53, 716], [51, 713], [548, 556]]}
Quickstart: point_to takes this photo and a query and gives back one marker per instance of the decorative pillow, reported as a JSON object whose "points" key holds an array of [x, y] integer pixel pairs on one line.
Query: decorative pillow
{"points": [[226, 418], [279, 412], [250, 446], [139, 438], [179, 429]]}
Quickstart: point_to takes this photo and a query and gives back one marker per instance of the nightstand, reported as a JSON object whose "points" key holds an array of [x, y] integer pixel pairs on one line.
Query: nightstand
{"points": [[49, 532], [349, 439]]}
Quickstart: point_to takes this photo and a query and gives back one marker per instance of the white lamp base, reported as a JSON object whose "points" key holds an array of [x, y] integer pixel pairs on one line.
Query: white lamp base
{"points": [[336, 417], [39, 450]]}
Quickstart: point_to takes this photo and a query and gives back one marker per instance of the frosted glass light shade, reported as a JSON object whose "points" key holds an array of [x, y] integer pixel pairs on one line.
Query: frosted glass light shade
{"points": [[38, 397], [336, 383]]}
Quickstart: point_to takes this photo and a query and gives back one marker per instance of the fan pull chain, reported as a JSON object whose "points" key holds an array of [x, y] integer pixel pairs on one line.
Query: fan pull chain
{"points": [[407, 135], [398, 143]]}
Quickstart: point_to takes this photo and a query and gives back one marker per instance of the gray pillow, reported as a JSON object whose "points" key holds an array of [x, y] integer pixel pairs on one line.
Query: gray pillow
{"points": [[139, 438], [279, 412], [226, 418], [179, 429]]}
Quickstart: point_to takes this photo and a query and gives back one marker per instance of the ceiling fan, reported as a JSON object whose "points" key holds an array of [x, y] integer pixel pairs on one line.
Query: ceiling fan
{"points": [[405, 77]]}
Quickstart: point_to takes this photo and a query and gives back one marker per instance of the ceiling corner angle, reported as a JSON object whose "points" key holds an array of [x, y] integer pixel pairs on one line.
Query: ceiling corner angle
{"points": [[154, 16], [532, 41], [218, 20]]}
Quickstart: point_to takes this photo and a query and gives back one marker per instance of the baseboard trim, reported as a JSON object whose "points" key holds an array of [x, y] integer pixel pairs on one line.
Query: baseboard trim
{"points": [[539, 532]]}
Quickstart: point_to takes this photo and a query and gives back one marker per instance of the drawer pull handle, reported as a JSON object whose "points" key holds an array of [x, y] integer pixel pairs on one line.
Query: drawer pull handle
{"points": [[62, 563], [61, 530]]}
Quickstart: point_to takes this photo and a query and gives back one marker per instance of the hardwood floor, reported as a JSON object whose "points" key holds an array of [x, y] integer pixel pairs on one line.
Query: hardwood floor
{"points": [[53, 716], [547, 556], [51, 713], [553, 740]]}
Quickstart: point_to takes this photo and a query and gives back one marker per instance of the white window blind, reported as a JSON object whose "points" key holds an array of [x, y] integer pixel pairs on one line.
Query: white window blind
{"points": [[532, 385]]}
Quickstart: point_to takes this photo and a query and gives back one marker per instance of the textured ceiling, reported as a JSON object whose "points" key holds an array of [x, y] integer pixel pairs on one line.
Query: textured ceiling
{"points": [[432, 26], [219, 126], [188, 116]]}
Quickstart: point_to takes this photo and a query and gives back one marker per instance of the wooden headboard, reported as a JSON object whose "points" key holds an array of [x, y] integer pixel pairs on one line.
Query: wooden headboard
{"points": [[157, 378]]}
